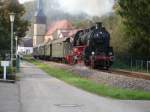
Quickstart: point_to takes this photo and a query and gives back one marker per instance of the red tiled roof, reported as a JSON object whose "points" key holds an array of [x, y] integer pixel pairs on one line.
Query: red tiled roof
{"points": [[65, 34], [73, 32], [63, 24]]}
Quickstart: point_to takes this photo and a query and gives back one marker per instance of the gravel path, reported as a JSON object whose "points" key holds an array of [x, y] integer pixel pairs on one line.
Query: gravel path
{"points": [[109, 79], [9, 97]]}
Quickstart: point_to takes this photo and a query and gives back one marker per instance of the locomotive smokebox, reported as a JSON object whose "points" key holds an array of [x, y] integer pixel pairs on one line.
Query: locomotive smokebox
{"points": [[98, 25]]}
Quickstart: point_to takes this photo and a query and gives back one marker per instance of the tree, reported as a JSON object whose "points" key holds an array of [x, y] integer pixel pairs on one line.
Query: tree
{"points": [[20, 25], [136, 18], [113, 24]]}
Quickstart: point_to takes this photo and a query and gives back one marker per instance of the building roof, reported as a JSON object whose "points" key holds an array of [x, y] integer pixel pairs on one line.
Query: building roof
{"points": [[73, 32], [63, 24], [40, 17], [65, 34], [27, 42]]}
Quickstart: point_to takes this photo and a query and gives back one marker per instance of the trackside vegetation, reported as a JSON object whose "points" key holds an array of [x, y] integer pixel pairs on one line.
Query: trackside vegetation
{"points": [[90, 86]]}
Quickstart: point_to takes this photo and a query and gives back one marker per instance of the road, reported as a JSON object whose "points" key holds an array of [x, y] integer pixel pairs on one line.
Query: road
{"points": [[9, 97], [42, 93]]}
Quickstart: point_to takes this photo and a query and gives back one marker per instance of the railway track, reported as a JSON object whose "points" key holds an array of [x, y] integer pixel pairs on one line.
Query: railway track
{"points": [[133, 74], [130, 74], [117, 72]]}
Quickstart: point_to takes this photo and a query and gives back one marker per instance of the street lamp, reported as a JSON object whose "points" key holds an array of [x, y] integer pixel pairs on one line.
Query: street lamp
{"points": [[16, 38], [17, 58], [12, 18]]}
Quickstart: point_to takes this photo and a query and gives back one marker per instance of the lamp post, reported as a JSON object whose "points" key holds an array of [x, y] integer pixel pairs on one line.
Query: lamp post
{"points": [[16, 38], [17, 58], [12, 18]]}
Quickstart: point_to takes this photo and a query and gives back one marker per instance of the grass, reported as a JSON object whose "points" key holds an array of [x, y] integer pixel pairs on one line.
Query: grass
{"points": [[91, 86]]}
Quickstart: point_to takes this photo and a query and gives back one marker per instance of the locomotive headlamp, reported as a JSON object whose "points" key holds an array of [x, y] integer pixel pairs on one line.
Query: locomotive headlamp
{"points": [[75, 50], [93, 53], [110, 53]]}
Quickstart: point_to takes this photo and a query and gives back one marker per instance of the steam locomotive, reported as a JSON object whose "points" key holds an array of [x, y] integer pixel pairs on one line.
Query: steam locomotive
{"points": [[90, 46]]}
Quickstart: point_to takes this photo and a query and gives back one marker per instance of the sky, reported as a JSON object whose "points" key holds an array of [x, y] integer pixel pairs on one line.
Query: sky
{"points": [[90, 7], [22, 1]]}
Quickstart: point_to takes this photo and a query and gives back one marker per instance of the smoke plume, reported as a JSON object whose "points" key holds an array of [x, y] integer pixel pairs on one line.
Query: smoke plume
{"points": [[90, 7], [75, 7]]}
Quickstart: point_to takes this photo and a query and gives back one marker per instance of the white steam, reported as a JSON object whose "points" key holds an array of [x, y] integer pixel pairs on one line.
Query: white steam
{"points": [[90, 7], [23, 1]]}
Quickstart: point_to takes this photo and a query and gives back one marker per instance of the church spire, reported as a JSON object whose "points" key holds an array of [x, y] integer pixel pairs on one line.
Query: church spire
{"points": [[39, 15], [39, 24], [39, 5]]}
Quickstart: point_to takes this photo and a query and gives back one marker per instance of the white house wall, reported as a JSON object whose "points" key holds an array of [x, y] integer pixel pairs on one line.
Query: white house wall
{"points": [[25, 50]]}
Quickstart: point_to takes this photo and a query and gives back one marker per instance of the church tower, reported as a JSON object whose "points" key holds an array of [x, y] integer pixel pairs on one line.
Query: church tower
{"points": [[39, 24]]}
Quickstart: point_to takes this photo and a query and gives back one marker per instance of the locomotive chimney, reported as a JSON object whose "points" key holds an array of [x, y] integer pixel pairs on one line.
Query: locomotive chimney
{"points": [[98, 25]]}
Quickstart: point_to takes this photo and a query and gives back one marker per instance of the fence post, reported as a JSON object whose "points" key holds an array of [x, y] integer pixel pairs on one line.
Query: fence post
{"points": [[136, 67], [131, 64], [141, 65], [147, 66]]}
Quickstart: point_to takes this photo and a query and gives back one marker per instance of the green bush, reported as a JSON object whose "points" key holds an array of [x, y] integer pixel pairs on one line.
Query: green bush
{"points": [[10, 73], [14, 62], [1, 70], [9, 70], [120, 64]]}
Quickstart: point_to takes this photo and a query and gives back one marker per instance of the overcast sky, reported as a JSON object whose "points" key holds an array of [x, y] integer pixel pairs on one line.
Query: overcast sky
{"points": [[90, 7], [22, 1]]}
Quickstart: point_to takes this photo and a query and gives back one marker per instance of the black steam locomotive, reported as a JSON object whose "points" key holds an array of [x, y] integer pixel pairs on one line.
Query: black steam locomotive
{"points": [[96, 46]]}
